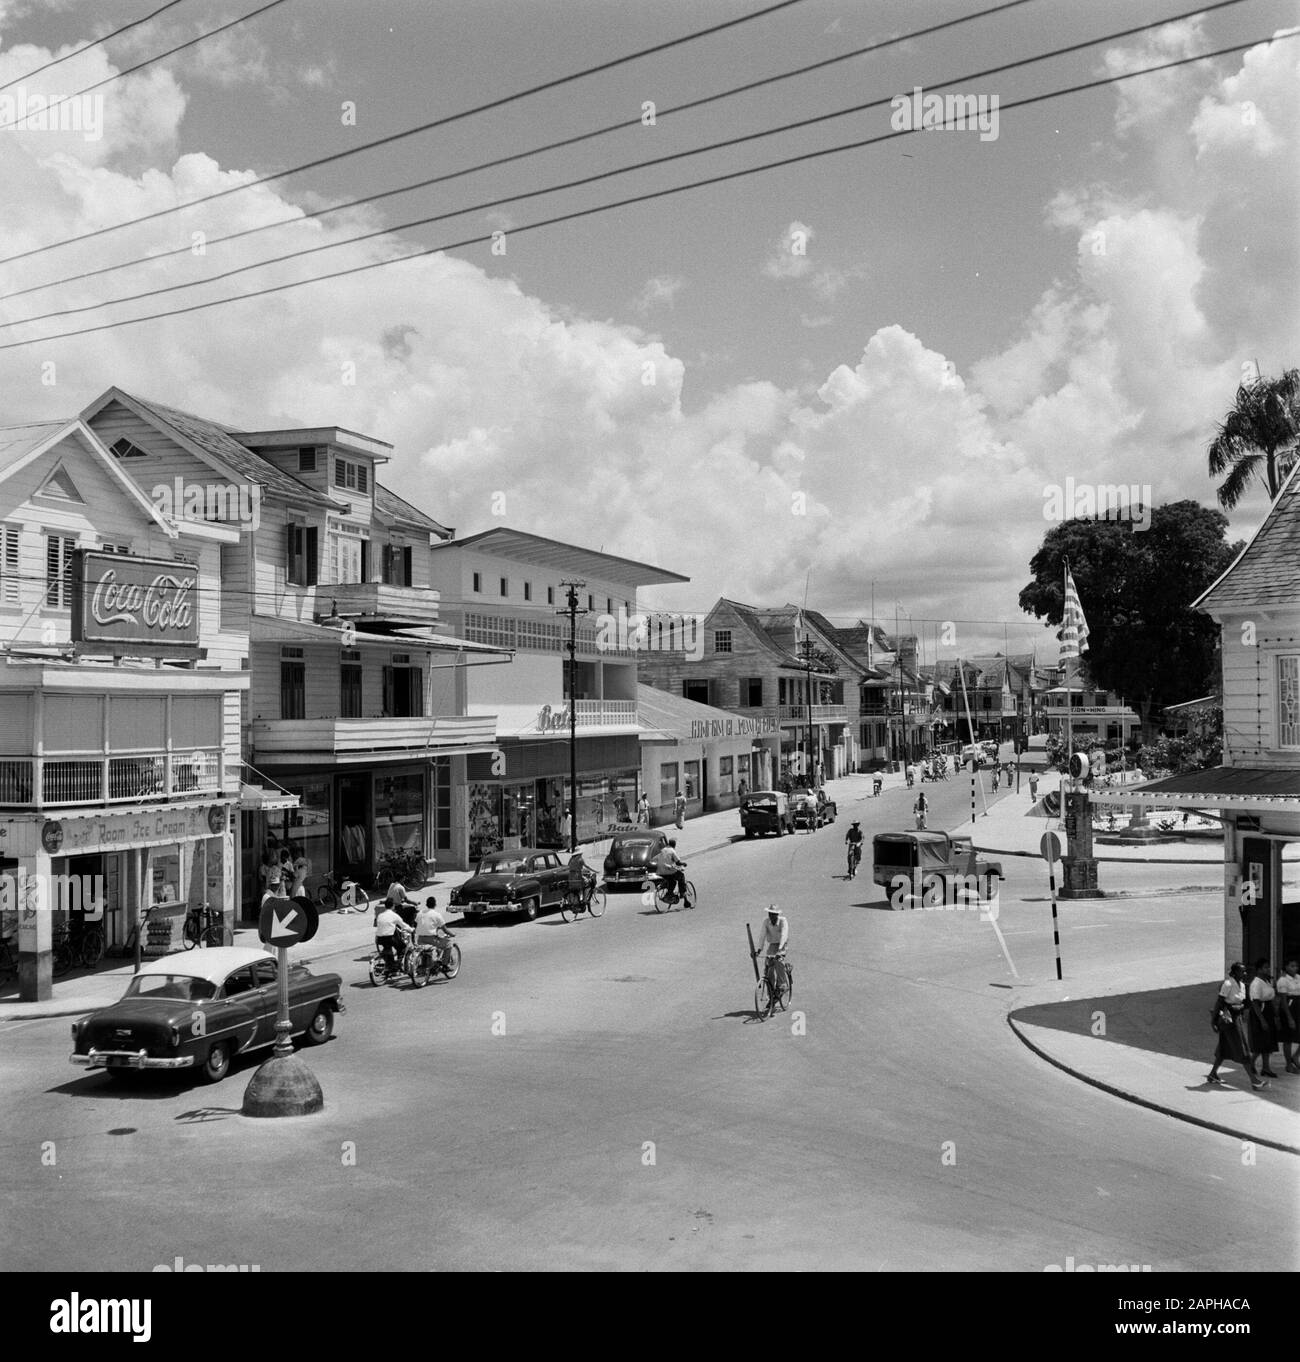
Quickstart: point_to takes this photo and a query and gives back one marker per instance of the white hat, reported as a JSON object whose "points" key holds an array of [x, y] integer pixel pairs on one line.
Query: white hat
{"points": [[772, 908]]}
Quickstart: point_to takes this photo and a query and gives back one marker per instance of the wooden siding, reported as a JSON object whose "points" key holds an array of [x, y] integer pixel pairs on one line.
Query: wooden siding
{"points": [[1250, 718]]}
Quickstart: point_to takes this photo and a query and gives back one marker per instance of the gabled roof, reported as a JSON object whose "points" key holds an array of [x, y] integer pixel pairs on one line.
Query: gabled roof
{"points": [[389, 507], [20, 445], [1267, 571], [214, 444], [752, 618], [537, 551]]}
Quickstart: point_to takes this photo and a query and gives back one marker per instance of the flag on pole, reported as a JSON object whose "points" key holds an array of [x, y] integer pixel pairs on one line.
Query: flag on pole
{"points": [[1074, 628]]}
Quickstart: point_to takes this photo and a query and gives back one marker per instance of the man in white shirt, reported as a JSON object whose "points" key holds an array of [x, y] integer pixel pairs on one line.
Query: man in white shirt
{"points": [[429, 922], [773, 937], [389, 930]]}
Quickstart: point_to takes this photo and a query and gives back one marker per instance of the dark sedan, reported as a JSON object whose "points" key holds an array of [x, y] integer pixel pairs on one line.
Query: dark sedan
{"points": [[198, 1009], [524, 881], [631, 857]]}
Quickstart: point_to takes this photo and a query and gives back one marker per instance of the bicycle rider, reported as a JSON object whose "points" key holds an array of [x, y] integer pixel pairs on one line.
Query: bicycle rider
{"points": [[775, 935], [853, 839], [430, 922], [578, 875], [671, 869], [390, 932]]}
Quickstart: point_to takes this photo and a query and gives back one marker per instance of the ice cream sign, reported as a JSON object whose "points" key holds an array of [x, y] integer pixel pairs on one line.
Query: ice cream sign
{"points": [[120, 602]]}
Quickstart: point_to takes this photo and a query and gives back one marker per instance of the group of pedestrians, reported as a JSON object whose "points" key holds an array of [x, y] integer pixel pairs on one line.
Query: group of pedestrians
{"points": [[284, 869], [1252, 1015]]}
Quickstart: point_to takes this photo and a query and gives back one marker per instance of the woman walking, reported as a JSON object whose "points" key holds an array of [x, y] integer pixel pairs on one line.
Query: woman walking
{"points": [[1230, 1023], [1288, 1014], [1262, 997]]}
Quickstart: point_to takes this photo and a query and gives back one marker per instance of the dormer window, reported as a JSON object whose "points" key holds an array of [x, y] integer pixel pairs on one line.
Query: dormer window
{"points": [[353, 477], [307, 459], [124, 449]]}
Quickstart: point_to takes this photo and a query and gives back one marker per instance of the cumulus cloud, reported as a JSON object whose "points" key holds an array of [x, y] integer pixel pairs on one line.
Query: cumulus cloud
{"points": [[788, 258], [659, 291]]}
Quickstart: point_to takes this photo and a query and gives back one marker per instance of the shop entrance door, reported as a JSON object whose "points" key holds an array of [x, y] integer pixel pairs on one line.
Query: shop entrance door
{"points": [[352, 850]]}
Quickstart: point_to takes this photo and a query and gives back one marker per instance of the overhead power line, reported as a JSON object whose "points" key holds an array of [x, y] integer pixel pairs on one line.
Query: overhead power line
{"points": [[94, 42], [149, 61], [411, 132], [582, 181], [646, 197], [576, 139]]}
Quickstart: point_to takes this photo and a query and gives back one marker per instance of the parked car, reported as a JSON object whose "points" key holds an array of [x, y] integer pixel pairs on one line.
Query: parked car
{"points": [[934, 868], [198, 1009], [527, 880], [763, 811], [804, 810], [973, 750], [631, 856]]}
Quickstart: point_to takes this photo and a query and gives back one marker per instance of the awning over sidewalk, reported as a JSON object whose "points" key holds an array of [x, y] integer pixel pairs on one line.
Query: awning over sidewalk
{"points": [[1247, 789], [264, 800]]}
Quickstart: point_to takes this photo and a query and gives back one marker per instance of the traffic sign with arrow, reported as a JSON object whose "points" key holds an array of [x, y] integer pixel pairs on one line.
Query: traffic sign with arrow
{"points": [[286, 922]]}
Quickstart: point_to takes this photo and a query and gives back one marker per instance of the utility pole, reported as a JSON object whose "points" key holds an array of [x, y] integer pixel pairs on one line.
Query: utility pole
{"points": [[571, 609], [807, 649]]}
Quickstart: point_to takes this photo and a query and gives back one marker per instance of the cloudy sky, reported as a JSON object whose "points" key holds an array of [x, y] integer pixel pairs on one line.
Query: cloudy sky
{"points": [[856, 372]]}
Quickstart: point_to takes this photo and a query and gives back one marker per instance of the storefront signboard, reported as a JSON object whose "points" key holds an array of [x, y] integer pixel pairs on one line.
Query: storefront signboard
{"points": [[116, 831], [120, 602], [739, 726]]}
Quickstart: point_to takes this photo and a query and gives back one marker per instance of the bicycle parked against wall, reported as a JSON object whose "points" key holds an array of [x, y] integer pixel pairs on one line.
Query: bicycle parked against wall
{"points": [[206, 926], [80, 945], [330, 893]]}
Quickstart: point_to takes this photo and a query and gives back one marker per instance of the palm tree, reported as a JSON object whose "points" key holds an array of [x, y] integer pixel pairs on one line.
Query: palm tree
{"points": [[1258, 435]]}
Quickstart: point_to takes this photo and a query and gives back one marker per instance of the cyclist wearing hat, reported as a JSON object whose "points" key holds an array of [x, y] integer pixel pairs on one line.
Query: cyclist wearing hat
{"points": [[853, 839], [775, 936]]}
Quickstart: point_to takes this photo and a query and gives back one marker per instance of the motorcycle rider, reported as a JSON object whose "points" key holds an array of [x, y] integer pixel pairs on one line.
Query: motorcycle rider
{"points": [[853, 839]]}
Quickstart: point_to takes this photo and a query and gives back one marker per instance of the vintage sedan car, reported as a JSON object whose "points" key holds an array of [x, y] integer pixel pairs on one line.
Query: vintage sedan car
{"points": [[631, 857], [198, 1009], [526, 881], [764, 811]]}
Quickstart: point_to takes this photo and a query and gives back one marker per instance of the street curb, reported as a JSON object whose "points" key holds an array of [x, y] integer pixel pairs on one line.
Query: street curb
{"points": [[1113, 860], [69, 1007], [1144, 1101]]}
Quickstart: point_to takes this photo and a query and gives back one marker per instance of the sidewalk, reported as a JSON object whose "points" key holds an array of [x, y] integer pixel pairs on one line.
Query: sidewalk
{"points": [[1155, 1046]]}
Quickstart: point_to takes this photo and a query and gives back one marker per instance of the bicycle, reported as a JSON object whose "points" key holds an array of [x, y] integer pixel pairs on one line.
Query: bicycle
{"points": [[432, 955], [9, 956], [206, 926], [768, 993], [855, 857], [591, 899], [384, 971], [329, 894], [82, 948], [665, 900]]}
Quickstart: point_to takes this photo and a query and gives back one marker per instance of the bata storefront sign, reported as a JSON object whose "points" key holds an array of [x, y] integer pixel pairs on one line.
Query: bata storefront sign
{"points": [[120, 601], [738, 727]]}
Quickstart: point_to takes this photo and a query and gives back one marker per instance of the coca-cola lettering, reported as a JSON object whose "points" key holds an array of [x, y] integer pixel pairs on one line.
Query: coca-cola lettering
{"points": [[121, 601], [162, 603]]}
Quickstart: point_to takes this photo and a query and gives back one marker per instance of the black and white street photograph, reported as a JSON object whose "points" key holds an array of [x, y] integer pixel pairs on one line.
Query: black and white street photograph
{"points": [[650, 636]]}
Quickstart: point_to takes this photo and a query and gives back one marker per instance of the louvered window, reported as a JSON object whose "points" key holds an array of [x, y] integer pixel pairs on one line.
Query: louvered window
{"points": [[10, 588], [58, 570]]}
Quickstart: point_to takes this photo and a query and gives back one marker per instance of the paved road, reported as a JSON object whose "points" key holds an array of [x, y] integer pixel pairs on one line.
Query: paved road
{"points": [[633, 1115]]}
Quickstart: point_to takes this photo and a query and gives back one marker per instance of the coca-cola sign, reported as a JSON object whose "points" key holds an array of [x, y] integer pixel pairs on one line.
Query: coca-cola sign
{"points": [[119, 600]]}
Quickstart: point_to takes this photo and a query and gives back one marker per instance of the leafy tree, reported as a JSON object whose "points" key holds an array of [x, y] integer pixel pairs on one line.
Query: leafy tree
{"points": [[1258, 436], [1136, 588], [1175, 755]]}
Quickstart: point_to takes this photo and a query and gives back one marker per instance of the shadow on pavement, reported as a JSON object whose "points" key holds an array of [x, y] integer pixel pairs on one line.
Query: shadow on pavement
{"points": [[1166, 1021]]}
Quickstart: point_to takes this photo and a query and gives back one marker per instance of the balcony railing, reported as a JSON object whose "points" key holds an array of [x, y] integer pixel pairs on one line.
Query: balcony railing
{"points": [[286, 740], [97, 778], [821, 714], [591, 713], [383, 600]]}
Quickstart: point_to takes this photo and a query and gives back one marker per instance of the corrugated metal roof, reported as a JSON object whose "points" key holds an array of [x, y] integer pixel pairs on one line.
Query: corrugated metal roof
{"points": [[1267, 572], [1267, 781]]}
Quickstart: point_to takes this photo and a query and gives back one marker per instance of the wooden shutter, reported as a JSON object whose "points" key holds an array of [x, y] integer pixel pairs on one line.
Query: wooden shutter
{"points": [[292, 573], [388, 691], [407, 579], [312, 552], [9, 590]]}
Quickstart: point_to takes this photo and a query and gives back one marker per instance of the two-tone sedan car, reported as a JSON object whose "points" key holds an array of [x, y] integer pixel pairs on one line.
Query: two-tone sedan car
{"points": [[527, 880], [198, 1009], [630, 860]]}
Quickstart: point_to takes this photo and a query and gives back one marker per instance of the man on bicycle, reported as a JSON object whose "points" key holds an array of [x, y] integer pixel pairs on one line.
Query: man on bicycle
{"points": [[390, 931], [670, 867], [775, 936], [431, 923], [578, 876], [853, 839]]}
